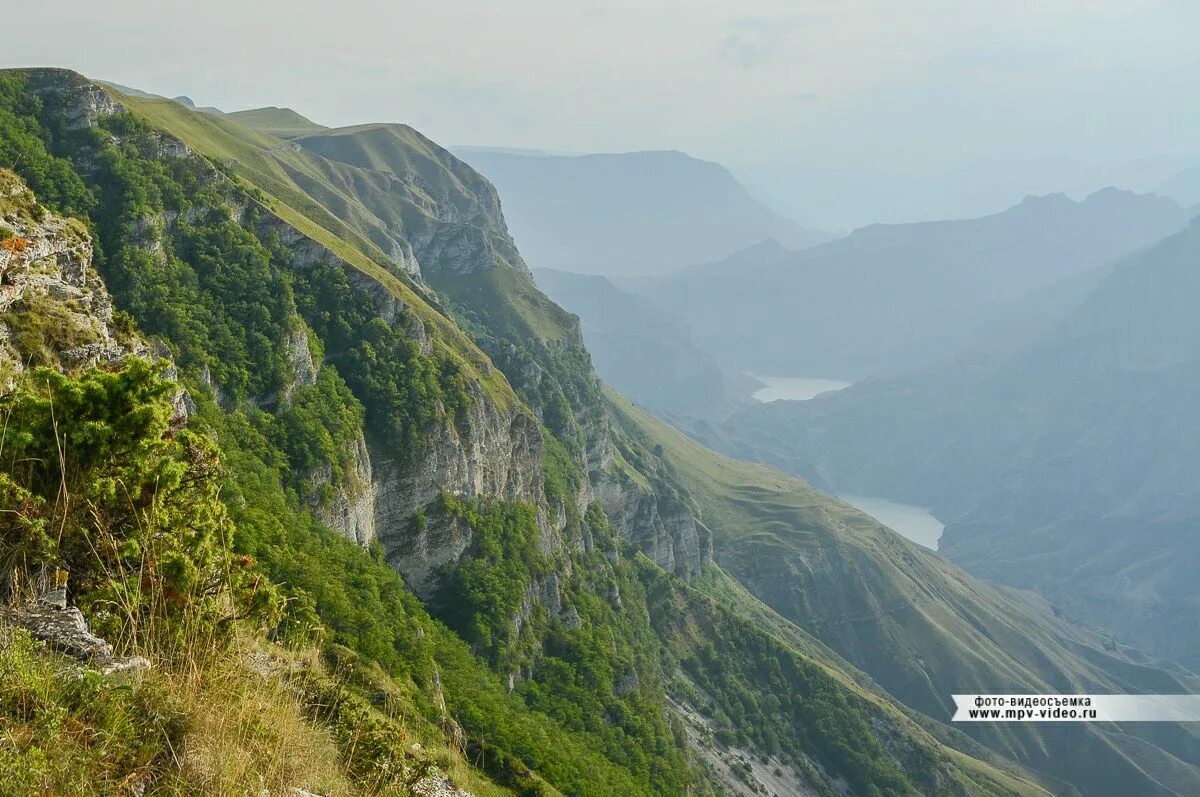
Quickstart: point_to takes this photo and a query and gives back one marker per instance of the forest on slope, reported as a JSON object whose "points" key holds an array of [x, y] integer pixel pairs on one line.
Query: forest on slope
{"points": [[439, 513]]}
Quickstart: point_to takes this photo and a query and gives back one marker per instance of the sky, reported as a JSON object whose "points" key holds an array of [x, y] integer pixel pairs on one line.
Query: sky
{"points": [[840, 111]]}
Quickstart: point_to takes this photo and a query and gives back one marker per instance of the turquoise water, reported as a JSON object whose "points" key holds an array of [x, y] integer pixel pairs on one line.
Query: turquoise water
{"points": [[913, 522], [795, 388]]}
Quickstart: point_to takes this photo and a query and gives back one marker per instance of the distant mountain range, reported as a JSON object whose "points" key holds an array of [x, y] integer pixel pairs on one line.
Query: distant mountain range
{"points": [[646, 354], [384, 446], [1184, 187], [888, 297], [1066, 463], [628, 214]]}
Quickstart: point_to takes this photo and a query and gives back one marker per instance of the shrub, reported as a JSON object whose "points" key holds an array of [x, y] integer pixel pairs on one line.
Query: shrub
{"points": [[66, 732], [105, 488]]}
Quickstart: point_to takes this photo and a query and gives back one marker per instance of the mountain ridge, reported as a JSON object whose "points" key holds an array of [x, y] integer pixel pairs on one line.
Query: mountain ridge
{"points": [[560, 591], [890, 297], [1071, 397], [661, 209]]}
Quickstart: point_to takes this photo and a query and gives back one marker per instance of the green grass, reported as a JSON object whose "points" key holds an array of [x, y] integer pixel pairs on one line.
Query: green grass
{"points": [[72, 734], [269, 164], [426, 175], [402, 151], [846, 590], [513, 305], [911, 620], [279, 122]]}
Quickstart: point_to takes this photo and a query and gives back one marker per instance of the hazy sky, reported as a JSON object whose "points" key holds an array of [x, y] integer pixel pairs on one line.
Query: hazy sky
{"points": [[861, 87]]}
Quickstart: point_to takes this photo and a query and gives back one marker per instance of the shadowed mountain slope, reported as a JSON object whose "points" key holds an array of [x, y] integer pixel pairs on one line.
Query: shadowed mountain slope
{"points": [[888, 297], [630, 214]]}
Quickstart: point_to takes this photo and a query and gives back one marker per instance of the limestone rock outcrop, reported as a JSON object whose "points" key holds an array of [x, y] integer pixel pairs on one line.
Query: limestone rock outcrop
{"points": [[54, 307]]}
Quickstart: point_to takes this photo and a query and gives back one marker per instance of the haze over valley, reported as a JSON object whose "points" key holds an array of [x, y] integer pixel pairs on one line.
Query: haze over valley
{"points": [[647, 399]]}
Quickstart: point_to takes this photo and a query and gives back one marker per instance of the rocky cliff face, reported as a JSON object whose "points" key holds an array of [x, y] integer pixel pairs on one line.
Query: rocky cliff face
{"points": [[491, 451], [352, 506], [494, 449], [495, 453], [665, 528], [428, 209], [54, 307]]}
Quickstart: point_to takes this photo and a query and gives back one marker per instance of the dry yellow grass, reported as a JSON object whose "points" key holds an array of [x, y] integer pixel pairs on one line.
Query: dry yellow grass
{"points": [[247, 731]]}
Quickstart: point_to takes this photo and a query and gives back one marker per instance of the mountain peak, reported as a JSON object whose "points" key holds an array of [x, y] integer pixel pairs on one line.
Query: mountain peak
{"points": [[632, 214], [1121, 198], [276, 121], [1058, 198]]}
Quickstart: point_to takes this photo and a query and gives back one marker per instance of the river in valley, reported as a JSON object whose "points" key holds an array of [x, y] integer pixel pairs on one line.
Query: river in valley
{"points": [[794, 388], [913, 522]]}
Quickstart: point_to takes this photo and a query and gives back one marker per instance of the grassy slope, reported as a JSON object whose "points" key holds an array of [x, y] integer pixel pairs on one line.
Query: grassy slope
{"points": [[279, 122], [268, 164], [280, 170], [505, 295], [915, 623], [398, 149]]}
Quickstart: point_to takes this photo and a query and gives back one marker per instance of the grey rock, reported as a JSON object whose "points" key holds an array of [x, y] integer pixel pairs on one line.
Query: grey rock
{"points": [[51, 272], [436, 784], [663, 527], [351, 509], [492, 452], [302, 369], [629, 682], [64, 630], [571, 619], [85, 103], [130, 667]]}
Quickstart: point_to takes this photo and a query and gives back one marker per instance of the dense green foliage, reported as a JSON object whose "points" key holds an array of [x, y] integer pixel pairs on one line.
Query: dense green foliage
{"points": [[319, 424], [101, 486], [212, 291], [219, 294], [480, 595], [403, 390], [27, 138], [592, 667], [602, 671]]}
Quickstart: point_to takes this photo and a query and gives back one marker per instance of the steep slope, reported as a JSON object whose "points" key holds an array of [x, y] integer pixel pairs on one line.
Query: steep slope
{"points": [[1059, 465], [297, 434], [364, 435], [921, 628], [190, 696], [644, 353], [637, 213], [893, 296]]}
